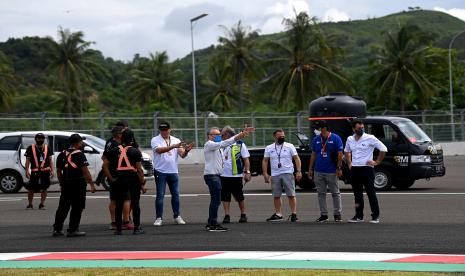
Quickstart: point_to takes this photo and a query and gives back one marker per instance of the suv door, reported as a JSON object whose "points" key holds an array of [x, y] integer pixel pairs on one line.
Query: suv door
{"points": [[12, 176]]}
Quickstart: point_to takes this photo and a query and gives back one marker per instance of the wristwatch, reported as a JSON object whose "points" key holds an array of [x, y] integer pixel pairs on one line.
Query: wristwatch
{"points": [[247, 171]]}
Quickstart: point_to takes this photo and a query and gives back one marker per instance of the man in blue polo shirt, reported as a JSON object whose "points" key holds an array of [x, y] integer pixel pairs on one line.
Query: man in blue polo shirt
{"points": [[327, 157]]}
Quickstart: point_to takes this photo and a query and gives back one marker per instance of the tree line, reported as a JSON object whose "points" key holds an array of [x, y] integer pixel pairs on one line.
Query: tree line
{"points": [[244, 72]]}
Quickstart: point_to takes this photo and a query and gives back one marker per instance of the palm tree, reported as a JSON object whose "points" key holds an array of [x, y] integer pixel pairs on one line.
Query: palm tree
{"points": [[156, 79], [219, 95], [398, 67], [7, 81], [307, 65], [238, 47], [73, 66]]}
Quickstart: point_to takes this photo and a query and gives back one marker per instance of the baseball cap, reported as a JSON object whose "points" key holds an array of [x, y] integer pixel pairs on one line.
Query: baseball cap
{"points": [[117, 130], [75, 138], [164, 126], [128, 136], [39, 135], [319, 124]]}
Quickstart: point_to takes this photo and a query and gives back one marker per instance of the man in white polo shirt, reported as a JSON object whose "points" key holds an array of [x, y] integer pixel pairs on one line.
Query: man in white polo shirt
{"points": [[359, 157], [281, 155], [166, 149]]}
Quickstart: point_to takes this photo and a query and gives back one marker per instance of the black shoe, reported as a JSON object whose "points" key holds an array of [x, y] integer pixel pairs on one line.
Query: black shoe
{"points": [[76, 233], [275, 217], [217, 228], [118, 232], [42, 207], [138, 231], [337, 218], [322, 218], [29, 207], [58, 233], [243, 218], [207, 227], [227, 219], [293, 218]]}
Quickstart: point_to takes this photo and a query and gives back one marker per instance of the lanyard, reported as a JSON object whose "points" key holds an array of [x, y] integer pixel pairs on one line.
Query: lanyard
{"points": [[169, 141], [278, 154], [323, 144]]}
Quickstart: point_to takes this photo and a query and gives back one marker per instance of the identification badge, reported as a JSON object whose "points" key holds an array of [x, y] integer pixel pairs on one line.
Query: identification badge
{"points": [[41, 159], [324, 154], [279, 165]]}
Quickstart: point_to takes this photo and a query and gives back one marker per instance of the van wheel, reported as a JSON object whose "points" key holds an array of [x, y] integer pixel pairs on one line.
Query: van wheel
{"points": [[305, 183], [10, 182], [404, 184], [383, 179]]}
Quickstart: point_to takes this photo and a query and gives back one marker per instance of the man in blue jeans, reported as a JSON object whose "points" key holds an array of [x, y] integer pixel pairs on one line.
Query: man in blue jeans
{"points": [[213, 151], [166, 149]]}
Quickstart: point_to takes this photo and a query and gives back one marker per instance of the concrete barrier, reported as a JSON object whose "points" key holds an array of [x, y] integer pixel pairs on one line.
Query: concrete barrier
{"points": [[196, 155]]}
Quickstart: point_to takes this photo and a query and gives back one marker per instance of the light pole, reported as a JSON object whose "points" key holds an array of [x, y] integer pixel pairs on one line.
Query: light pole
{"points": [[193, 76], [451, 92]]}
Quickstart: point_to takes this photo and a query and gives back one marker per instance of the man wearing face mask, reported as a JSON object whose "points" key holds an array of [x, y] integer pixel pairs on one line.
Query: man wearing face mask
{"points": [[327, 157], [280, 154], [72, 174], [39, 160], [213, 151], [359, 157]]}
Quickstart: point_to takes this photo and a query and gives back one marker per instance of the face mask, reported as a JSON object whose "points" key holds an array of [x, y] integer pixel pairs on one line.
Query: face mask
{"points": [[280, 140], [39, 142], [359, 131], [217, 138], [317, 132]]}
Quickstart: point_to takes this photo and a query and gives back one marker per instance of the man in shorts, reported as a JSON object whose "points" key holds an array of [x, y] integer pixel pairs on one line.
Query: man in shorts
{"points": [[236, 166], [39, 161], [280, 154]]}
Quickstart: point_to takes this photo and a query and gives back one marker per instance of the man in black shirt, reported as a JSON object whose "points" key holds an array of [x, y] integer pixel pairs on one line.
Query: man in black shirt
{"points": [[123, 169], [39, 160], [112, 143], [72, 174]]}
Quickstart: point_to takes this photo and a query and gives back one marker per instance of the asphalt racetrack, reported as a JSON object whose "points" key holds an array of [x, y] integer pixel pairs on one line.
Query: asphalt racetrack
{"points": [[428, 218]]}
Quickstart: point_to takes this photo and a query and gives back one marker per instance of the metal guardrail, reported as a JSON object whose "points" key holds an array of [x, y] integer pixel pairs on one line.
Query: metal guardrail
{"points": [[435, 123]]}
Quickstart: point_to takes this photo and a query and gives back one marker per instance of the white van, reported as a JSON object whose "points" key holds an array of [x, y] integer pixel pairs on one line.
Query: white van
{"points": [[13, 145]]}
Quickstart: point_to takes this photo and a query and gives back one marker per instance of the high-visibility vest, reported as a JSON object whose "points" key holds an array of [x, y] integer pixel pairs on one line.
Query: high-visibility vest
{"points": [[236, 158], [124, 157], [69, 162], [40, 167]]}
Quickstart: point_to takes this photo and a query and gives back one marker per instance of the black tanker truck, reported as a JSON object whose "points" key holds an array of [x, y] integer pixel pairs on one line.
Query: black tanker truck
{"points": [[411, 153]]}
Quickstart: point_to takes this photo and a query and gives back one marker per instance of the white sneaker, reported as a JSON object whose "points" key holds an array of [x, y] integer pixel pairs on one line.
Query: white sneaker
{"points": [[179, 220], [158, 222], [375, 220]]}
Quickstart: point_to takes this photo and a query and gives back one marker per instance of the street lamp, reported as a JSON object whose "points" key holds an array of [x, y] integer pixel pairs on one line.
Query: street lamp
{"points": [[193, 76], [451, 92]]}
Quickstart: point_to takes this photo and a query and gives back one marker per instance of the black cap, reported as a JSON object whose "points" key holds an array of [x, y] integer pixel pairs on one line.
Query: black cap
{"points": [[164, 126], [76, 138], [39, 135], [127, 137], [117, 130], [122, 123]]}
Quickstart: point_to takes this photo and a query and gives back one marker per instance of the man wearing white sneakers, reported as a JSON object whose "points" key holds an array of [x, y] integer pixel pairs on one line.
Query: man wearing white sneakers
{"points": [[166, 149]]}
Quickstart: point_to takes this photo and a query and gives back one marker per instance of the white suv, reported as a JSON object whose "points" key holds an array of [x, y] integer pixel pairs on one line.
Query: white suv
{"points": [[13, 145]]}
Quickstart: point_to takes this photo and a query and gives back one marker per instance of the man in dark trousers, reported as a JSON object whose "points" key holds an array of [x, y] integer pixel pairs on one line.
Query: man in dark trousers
{"points": [[72, 174], [123, 168], [359, 157], [39, 160]]}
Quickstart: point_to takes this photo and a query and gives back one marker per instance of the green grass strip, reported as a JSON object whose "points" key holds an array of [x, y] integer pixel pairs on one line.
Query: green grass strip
{"points": [[233, 263]]}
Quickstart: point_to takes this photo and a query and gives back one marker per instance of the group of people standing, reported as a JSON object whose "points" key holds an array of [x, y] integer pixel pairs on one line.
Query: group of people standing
{"points": [[227, 167]]}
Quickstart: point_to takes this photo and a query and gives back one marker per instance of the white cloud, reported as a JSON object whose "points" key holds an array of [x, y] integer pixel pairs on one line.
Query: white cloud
{"points": [[459, 13], [335, 15]]}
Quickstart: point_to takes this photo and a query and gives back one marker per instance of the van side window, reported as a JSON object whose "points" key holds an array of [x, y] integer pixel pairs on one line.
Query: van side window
{"points": [[9, 143], [61, 143], [391, 135]]}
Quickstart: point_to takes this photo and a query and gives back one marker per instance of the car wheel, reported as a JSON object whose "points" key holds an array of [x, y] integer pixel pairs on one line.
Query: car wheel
{"points": [[404, 184], [10, 182], [383, 179], [305, 183]]}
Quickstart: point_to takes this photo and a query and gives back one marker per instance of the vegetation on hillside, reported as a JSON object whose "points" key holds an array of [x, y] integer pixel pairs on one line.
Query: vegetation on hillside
{"points": [[396, 62]]}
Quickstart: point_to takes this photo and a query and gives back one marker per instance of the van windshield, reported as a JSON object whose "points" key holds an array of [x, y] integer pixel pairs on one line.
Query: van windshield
{"points": [[413, 132], [100, 143]]}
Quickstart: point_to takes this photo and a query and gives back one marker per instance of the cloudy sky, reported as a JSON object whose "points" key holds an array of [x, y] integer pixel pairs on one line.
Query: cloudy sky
{"points": [[121, 29]]}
